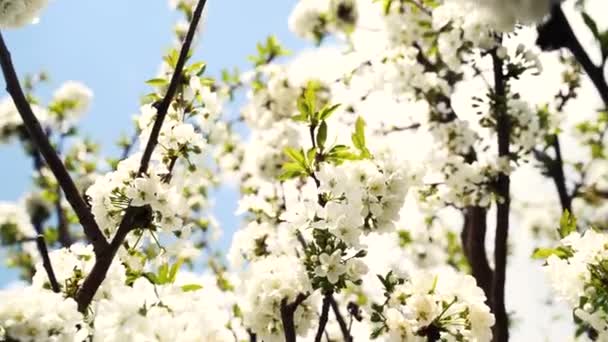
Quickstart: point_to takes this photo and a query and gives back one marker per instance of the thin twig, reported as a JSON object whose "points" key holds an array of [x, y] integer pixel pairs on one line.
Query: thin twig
{"points": [[341, 322], [134, 216], [42, 144], [46, 262], [172, 89]]}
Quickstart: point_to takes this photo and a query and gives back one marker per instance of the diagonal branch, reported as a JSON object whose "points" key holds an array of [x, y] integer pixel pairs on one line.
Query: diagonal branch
{"points": [[341, 322], [135, 215], [323, 318], [557, 33], [41, 141], [46, 263], [163, 107]]}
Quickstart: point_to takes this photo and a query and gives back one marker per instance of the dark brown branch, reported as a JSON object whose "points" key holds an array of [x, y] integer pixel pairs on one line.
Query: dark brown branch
{"points": [[323, 318], [63, 227], [341, 322], [46, 263], [503, 128], [474, 246], [557, 33], [172, 89], [287, 313], [136, 217], [557, 173], [42, 144]]}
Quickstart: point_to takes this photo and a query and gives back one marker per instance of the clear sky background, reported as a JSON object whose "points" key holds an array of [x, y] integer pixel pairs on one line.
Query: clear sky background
{"points": [[113, 46]]}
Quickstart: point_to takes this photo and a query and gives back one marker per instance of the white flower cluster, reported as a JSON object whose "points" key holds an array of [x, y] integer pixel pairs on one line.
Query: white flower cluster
{"points": [[70, 101], [113, 192], [17, 13], [313, 19], [506, 14], [11, 124], [363, 196], [440, 307], [161, 313], [71, 265], [15, 224], [270, 283], [578, 271], [37, 315]]}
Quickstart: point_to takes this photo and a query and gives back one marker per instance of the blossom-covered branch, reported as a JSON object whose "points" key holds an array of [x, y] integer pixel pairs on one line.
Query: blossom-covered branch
{"points": [[136, 216]]}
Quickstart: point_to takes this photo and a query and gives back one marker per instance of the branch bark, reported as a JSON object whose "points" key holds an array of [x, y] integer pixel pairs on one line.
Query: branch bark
{"points": [[46, 263], [474, 246], [287, 313], [135, 215], [503, 128], [323, 318], [557, 33], [42, 144], [63, 227], [341, 322]]}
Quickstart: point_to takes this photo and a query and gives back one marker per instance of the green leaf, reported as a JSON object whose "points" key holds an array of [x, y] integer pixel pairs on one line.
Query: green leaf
{"points": [[296, 155], [191, 287], [322, 135], [310, 156], [305, 111], [544, 253], [197, 68], [567, 224], [327, 111], [591, 24], [157, 82], [603, 38], [358, 138], [173, 271]]}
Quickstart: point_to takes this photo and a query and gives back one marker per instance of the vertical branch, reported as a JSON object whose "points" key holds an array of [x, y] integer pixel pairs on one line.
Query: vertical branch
{"points": [[288, 311], [46, 263], [323, 318], [474, 246], [134, 216], [341, 322], [503, 128], [42, 144]]}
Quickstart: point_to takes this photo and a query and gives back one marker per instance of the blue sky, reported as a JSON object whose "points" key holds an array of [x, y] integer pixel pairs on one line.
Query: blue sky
{"points": [[113, 46]]}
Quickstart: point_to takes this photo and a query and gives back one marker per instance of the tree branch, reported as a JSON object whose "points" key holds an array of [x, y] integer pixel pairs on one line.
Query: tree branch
{"points": [[46, 263], [503, 128], [135, 215], [42, 144], [341, 322], [557, 33], [474, 245], [323, 318], [172, 89], [63, 227], [287, 312]]}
